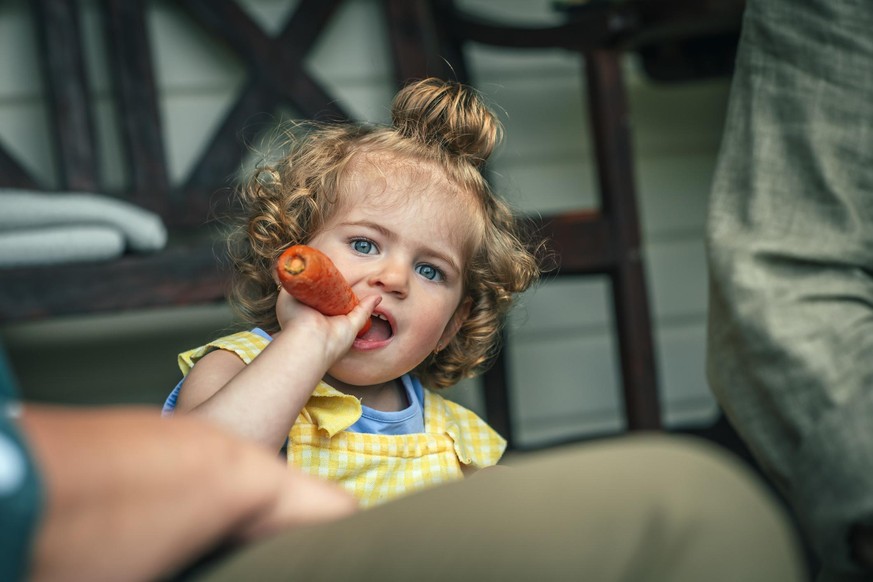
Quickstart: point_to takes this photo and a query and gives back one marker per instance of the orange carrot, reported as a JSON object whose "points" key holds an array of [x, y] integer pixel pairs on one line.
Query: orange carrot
{"points": [[311, 278]]}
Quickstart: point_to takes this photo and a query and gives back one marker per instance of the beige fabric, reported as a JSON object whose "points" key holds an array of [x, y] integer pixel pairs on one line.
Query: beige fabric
{"points": [[636, 509]]}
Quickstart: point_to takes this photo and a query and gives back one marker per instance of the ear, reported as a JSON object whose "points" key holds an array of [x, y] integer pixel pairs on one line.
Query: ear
{"points": [[455, 323]]}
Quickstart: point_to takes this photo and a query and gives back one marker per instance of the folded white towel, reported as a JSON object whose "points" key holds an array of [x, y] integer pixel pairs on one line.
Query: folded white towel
{"points": [[54, 245], [37, 228]]}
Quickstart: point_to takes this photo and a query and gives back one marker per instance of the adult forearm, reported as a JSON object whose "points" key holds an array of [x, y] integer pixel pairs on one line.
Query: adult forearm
{"points": [[131, 496]]}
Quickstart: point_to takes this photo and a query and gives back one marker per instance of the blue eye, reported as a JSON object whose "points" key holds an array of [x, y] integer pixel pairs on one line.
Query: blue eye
{"points": [[429, 272], [363, 246]]}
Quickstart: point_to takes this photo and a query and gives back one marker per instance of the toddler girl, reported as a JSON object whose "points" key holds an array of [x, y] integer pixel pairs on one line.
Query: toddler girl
{"points": [[435, 258]]}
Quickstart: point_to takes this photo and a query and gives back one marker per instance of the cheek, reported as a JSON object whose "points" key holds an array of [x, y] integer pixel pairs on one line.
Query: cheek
{"points": [[439, 315]]}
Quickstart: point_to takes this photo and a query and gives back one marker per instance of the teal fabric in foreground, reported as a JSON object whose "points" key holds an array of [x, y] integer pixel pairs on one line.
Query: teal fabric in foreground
{"points": [[20, 487]]}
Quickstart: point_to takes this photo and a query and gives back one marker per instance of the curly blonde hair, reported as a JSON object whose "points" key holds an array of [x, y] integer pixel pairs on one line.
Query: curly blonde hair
{"points": [[435, 122]]}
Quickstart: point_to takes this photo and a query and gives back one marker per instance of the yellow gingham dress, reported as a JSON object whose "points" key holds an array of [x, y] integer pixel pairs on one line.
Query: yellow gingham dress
{"points": [[375, 468]]}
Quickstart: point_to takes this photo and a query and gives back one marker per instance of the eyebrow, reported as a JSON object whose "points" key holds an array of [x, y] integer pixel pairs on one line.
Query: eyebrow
{"points": [[390, 234]]}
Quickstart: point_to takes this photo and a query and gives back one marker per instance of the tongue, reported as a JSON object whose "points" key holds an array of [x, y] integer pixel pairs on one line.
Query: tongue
{"points": [[379, 330]]}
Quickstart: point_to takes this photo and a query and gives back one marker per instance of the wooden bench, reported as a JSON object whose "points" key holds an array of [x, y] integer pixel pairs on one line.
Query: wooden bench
{"points": [[187, 272]]}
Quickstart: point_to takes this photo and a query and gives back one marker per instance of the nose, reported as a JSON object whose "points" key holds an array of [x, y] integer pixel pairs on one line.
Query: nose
{"points": [[391, 276]]}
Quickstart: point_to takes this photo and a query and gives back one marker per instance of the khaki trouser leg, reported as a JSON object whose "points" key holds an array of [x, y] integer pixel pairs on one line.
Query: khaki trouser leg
{"points": [[631, 509]]}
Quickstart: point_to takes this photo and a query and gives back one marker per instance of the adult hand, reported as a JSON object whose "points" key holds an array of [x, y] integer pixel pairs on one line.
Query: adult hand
{"points": [[133, 496]]}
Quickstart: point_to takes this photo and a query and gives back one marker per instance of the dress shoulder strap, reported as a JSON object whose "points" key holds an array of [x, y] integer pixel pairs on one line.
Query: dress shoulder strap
{"points": [[476, 443]]}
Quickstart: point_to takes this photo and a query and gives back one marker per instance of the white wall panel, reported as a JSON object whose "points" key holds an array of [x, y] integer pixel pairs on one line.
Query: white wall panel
{"points": [[364, 101], [25, 136], [353, 48], [18, 63], [545, 187], [561, 304], [187, 58], [673, 192], [564, 380], [189, 124], [683, 118], [676, 272], [685, 398], [532, 12], [544, 118], [672, 189], [269, 14]]}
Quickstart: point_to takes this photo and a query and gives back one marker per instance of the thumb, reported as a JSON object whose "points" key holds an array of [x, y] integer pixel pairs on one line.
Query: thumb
{"points": [[360, 315]]}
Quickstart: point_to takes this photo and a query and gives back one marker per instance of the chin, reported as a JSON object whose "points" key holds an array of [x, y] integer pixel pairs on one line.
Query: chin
{"points": [[357, 377]]}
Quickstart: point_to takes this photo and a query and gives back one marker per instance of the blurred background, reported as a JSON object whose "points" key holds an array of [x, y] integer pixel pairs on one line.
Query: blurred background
{"points": [[562, 357]]}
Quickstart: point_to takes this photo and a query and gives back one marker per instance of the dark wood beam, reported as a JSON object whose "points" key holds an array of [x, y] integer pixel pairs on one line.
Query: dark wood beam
{"points": [[63, 68], [136, 97]]}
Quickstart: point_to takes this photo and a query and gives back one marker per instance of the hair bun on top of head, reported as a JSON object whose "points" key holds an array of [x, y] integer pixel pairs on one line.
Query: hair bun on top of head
{"points": [[436, 111]]}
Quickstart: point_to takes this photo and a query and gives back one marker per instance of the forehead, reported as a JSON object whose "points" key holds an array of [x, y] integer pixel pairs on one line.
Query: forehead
{"points": [[414, 195]]}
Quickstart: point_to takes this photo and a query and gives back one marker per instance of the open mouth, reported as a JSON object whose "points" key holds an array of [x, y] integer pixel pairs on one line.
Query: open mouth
{"points": [[380, 329]]}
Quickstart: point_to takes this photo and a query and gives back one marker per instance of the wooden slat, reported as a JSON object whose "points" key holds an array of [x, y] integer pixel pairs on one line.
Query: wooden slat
{"points": [[310, 100], [292, 45], [276, 75], [13, 174], [275, 64], [228, 144], [63, 66], [306, 25], [599, 27], [498, 408], [583, 242], [452, 44], [176, 276], [609, 120], [232, 25], [416, 47], [133, 78], [596, 25], [635, 345]]}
